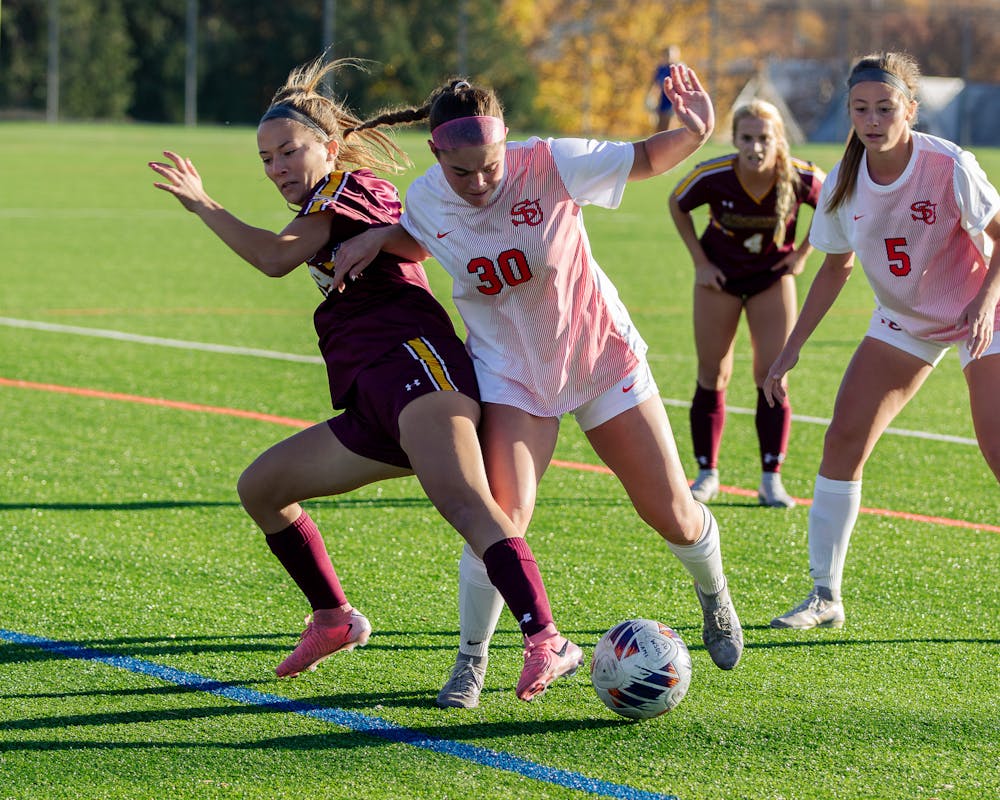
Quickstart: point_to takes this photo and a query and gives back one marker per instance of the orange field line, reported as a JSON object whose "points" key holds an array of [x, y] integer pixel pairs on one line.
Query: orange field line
{"points": [[301, 423]]}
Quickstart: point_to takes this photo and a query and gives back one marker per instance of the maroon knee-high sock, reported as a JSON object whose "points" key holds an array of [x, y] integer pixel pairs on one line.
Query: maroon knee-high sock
{"points": [[511, 567], [708, 418], [302, 553], [773, 426]]}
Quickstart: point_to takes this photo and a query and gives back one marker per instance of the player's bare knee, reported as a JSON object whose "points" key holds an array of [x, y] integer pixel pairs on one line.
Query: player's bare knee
{"points": [[843, 449], [256, 490], [680, 522]]}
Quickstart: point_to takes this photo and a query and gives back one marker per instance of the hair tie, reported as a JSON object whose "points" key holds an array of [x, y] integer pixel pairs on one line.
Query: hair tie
{"points": [[285, 111], [469, 132], [461, 85], [879, 75]]}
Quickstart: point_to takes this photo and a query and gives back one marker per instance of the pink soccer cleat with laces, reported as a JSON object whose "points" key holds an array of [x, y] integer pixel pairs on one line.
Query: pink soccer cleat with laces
{"points": [[328, 631]]}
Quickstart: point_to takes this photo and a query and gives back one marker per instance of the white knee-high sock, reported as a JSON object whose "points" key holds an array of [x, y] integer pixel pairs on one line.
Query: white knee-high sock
{"points": [[703, 559], [831, 519], [479, 605]]}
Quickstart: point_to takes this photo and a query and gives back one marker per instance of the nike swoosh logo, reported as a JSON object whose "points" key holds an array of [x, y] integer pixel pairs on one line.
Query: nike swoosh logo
{"points": [[473, 644], [629, 387], [442, 235], [856, 218]]}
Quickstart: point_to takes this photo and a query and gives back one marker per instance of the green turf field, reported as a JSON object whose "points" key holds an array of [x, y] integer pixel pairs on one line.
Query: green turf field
{"points": [[141, 614]]}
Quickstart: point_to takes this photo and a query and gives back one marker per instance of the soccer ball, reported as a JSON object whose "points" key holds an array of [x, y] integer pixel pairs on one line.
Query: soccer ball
{"points": [[641, 669]]}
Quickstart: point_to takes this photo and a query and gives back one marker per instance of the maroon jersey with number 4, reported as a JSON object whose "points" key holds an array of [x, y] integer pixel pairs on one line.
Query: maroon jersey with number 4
{"points": [[389, 304], [739, 238]]}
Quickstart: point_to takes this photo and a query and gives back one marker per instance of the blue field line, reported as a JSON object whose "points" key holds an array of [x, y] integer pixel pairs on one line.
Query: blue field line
{"points": [[359, 723]]}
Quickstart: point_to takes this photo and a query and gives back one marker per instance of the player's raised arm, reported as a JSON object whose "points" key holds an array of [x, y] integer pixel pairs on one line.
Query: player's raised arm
{"points": [[274, 254], [693, 107]]}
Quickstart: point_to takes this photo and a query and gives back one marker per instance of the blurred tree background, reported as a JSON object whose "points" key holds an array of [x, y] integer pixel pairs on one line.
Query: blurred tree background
{"points": [[569, 66]]}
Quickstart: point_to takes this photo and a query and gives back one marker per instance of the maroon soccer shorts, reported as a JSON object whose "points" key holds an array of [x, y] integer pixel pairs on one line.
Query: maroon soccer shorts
{"points": [[749, 285], [370, 424]]}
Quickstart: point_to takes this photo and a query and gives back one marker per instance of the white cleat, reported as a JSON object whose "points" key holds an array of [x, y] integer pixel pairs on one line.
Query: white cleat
{"points": [[772, 492], [815, 611], [706, 486]]}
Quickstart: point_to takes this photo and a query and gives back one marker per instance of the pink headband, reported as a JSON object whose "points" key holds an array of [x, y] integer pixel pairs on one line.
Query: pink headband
{"points": [[468, 132]]}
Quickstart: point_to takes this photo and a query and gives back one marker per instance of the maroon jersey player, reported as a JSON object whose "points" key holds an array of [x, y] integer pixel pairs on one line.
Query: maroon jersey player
{"points": [[745, 260], [395, 364]]}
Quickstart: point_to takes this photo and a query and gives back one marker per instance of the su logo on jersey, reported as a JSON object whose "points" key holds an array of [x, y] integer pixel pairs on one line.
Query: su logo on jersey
{"points": [[527, 212], [924, 211]]}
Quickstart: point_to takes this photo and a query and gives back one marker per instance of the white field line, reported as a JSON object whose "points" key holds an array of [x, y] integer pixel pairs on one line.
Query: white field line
{"points": [[182, 344], [824, 421], [134, 338]]}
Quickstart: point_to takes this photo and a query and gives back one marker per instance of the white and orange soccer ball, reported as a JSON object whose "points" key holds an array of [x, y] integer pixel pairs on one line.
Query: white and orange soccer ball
{"points": [[641, 669]]}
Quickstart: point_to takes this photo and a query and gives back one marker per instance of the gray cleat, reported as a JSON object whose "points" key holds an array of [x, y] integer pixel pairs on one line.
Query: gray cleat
{"points": [[722, 633], [465, 684]]}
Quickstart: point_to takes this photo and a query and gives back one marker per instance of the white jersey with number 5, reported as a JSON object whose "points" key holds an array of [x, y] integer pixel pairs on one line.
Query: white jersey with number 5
{"points": [[919, 239], [546, 329]]}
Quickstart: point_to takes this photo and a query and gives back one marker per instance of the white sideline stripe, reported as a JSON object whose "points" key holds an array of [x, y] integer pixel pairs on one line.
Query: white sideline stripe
{"points": [[937, 437], [84, 213], [182, 344]]}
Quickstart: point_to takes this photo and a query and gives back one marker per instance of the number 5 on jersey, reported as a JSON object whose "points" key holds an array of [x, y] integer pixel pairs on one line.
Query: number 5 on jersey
{"points": [[899, 259]]}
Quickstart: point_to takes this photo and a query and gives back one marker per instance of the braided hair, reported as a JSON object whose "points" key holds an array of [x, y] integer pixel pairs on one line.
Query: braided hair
{"points": [[455, 99]]}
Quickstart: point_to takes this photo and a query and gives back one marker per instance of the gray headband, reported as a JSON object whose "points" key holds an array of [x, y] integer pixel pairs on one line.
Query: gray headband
{"points": [[285, 111], [879, 76]]}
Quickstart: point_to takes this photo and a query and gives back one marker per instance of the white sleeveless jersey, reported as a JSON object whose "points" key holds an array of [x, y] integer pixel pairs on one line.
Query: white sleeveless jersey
{"points": [[920, 239], [546, 329]]}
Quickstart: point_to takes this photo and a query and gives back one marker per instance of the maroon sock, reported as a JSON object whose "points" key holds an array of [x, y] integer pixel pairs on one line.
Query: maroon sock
{"points": [[302, 553], [773, 425], [511, 567], [708, 418]]}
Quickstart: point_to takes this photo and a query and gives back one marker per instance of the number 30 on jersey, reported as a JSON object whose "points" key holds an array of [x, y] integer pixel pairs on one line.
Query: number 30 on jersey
{"points": [[509, 269]]}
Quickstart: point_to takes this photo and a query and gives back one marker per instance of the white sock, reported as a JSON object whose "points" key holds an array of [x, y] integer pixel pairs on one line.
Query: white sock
{"points": [[703, 559], [479, 605], [831, 519]]}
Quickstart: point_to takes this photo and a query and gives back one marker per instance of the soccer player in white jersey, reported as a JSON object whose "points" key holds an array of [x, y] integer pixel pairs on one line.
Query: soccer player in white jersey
{"points": [[923, 219], [548, 333]]}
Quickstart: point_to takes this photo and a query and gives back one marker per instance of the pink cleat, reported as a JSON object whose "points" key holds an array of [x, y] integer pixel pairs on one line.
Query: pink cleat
{"points": [[547, 656], [328, 631]]}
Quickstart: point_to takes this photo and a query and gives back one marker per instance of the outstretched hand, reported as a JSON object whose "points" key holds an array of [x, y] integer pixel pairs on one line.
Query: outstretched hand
{"points": [[182, 180], [692, 105]]}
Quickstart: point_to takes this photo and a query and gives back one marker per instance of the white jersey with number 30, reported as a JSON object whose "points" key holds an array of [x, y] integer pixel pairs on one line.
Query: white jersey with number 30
{"points": [[919, 239], [546, 329]]}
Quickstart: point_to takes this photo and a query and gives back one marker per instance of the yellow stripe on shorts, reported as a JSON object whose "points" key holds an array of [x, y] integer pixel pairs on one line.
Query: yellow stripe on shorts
{"points": [[435, 368]]}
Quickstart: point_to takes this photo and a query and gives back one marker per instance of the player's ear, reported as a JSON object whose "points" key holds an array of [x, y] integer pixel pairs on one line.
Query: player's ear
{"points": [[332, 150], [434, 150]]}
